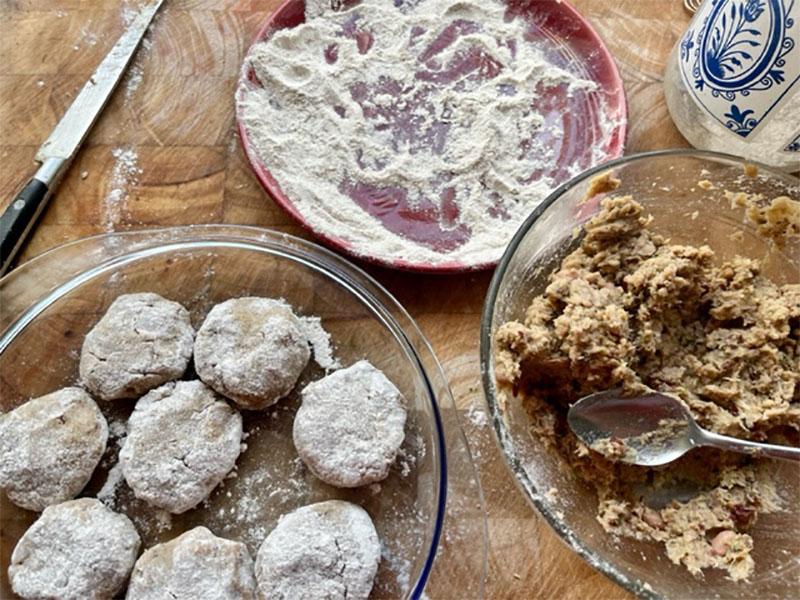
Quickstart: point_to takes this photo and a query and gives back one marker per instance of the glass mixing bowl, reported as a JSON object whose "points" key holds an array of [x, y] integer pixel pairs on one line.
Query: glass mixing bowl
{"points": [[665, 183], [51, 302]]}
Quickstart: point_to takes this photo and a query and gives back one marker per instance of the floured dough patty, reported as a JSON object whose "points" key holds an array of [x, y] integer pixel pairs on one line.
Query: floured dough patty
{"points": [[629, 309], [142, 341], [350, 426], [251, 350], [195, 565], [77, 550], [182, 441], [49, 447], [325, 550]]}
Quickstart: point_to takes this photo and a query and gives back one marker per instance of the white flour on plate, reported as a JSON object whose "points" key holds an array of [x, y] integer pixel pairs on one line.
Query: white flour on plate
{"points": [[358, 99]]}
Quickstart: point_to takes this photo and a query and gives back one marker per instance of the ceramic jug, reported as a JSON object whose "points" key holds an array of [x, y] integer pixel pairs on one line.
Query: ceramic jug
{"points": [[732, 81]]}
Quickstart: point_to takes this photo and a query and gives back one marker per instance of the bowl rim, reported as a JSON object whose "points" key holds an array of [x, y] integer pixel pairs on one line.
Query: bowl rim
{"points": [[273, 189], [501, 435], [151, 242]]}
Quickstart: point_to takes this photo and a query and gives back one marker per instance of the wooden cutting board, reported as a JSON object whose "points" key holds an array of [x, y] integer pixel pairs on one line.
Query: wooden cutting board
{"points": [[165, 152]]}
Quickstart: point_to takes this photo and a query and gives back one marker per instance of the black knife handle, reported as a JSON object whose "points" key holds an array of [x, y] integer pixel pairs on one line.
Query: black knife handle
{"points": [[19, 218]]}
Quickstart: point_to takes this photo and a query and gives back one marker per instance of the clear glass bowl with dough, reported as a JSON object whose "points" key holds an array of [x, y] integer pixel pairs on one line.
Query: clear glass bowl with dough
{"points": [[665, 182], [429, 506]]}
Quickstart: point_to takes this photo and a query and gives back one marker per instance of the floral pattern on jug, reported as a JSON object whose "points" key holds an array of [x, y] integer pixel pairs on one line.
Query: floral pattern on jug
{"points": [[741, 60]]}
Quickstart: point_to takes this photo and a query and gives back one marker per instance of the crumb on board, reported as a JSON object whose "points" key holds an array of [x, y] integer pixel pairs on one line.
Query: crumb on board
{"points": [[750, 170], [705, 184], [742, 199]]}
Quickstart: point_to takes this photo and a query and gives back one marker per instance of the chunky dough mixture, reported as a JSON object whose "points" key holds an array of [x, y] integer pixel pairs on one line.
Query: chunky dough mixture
{"points": [[182, 441], [49, 447], [325, 550], [628, 309], [142, 341], [76, 550], [195, 565], [777, 219], [251, 350], [350, 426]]}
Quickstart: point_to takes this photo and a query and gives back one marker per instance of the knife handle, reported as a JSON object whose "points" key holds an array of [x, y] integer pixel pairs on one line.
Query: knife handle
{"points": [[19, 218], [21, 215]]}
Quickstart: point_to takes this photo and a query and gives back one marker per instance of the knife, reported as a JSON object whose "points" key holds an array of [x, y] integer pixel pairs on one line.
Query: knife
{"points": [[56, 154]]}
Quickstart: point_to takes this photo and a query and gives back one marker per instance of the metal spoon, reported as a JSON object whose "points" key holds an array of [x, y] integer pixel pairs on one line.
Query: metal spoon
{"points": [[652, 430]]}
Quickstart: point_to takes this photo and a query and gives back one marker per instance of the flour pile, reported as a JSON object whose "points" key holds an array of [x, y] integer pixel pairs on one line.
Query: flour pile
{"points": [[422, 131]]}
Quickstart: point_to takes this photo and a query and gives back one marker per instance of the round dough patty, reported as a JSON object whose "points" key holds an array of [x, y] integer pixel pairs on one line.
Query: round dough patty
{"points": [[197, 564], [251, 350], [350, 426], [182, 441], [49, 447], [77, 549], [142, 341], [325, 550]]}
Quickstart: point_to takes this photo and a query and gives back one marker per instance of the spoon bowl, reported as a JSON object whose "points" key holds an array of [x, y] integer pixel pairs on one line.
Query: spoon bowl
{"points": [[652, 429], [648, 430]]}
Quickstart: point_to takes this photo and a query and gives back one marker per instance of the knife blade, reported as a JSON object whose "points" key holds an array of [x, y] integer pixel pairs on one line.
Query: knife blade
{"points": [[57, 152]]}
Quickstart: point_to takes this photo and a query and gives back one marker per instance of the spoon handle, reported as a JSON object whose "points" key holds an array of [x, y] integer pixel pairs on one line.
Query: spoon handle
{"points": [[708, 438]]}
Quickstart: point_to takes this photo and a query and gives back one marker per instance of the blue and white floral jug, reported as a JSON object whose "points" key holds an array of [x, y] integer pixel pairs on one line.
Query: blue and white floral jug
{"points": [[733, 80]]}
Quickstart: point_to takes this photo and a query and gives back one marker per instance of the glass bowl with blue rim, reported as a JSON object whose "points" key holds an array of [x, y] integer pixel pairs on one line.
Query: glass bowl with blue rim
{"points": [[51, 302]]}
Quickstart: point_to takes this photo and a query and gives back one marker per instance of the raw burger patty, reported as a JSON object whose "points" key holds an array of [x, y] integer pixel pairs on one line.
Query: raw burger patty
{"points": [[325, 550], [77, 550], [350, 426], [182, 441], [141, 342], [195, 565], [49, 447], [251, 350]]}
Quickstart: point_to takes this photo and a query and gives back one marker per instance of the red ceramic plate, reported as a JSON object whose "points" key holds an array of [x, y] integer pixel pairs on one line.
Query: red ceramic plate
{"points": [[569, 42]]}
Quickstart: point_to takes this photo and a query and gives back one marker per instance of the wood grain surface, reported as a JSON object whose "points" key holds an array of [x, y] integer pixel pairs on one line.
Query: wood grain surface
{"points": [[174, 113]]}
